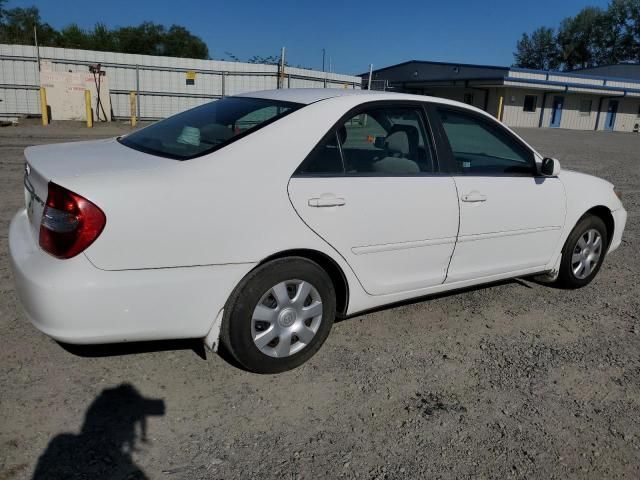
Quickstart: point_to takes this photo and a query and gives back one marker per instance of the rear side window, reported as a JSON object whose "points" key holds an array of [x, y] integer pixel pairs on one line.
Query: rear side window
{"points": [[478, 147], [377, 141], [208, 127]]}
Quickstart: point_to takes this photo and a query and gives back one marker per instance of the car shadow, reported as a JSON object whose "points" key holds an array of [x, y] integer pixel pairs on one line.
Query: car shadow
{"points": [[115, 422], [523, 281], [133, 348]]}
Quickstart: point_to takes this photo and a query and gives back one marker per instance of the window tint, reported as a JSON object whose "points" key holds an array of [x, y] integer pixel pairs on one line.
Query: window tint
{"points": [[206, 128], [530, 102], [481, 148], [325, 158], [377, 141]]}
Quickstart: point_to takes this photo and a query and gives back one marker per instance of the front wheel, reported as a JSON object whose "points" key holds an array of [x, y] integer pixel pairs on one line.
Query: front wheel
{"points": [[279, 315], [583, 253]]}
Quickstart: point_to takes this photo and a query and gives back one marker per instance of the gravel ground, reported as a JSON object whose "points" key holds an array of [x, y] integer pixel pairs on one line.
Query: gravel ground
{"points": [[516, 380]]}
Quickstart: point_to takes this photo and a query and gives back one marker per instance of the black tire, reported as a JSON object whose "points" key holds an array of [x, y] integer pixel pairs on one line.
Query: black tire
{"points": [[235, 334], [566, 276]]}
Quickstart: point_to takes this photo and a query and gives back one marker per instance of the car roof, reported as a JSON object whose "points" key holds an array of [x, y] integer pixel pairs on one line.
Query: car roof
{"points": [[311, 95]]}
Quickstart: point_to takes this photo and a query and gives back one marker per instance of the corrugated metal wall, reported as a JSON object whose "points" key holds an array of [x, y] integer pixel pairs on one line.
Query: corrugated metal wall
{"points": [[162, 80]]}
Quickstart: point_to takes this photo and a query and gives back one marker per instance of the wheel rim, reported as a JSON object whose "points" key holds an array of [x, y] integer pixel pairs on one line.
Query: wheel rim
{"points": [[287, 318], [586, 254]]}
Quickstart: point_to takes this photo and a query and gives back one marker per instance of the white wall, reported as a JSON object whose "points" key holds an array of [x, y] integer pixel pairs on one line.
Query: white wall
{"points": [[163, 88]]}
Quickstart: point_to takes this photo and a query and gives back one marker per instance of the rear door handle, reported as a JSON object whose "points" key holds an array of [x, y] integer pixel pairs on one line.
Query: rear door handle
{"points": [[323, 202], [474, 197]]}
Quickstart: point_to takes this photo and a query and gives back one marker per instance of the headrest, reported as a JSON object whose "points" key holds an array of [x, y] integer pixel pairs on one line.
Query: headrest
{"points": [[398, 142]]}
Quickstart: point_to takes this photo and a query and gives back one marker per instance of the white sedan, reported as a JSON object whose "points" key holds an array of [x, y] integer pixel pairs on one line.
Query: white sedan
{"points": [[253, 221]]}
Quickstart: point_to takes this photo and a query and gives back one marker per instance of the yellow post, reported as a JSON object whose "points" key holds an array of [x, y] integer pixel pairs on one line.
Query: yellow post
{"points": [[43, 106], [500, 105], [133, 105], [87, 106]]}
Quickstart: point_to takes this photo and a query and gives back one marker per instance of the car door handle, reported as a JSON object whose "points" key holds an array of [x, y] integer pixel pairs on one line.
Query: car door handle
{"points": [[326, 202], [474, 197]]}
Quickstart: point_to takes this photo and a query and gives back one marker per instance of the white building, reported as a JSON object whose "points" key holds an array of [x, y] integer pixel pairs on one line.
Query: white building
{"points": [[601, 98]]}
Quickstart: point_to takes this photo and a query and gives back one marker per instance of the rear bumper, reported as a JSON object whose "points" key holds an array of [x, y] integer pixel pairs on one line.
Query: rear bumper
{"points": [[619, 222], [75, 302]]}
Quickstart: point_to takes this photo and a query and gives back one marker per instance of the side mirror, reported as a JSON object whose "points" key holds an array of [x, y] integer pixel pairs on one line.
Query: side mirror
{"points": [[550, 167]]}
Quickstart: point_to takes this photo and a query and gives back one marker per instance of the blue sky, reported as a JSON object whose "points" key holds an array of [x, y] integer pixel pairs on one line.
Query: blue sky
{"points": [[354, 33]]}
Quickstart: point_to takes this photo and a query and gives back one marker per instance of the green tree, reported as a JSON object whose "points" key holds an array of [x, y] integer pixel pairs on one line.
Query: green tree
{"points": [[179, 42], [577, 38], [72, 36], [101, 38], [593, 37], [538, 51], [148, 38]]}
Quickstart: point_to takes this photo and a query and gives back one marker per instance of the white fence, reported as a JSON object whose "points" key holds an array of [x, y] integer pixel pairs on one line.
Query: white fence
{"points": [[164, 83]]}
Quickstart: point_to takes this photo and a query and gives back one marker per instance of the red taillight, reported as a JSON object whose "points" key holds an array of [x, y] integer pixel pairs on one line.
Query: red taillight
{"points": [[70, 223]]}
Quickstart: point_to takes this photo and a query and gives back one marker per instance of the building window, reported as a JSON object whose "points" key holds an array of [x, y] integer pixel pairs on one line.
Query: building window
{"points": [[638, 116], [585, 106], [530, 102], [468, 98]]}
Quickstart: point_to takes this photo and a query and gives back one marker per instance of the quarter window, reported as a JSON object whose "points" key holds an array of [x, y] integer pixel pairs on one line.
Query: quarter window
{"points": [[377, 141], [480, 148], [530, 103]]}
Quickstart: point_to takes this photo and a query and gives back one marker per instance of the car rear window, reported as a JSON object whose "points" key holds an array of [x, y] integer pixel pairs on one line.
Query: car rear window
{"points": [[208, 127]]}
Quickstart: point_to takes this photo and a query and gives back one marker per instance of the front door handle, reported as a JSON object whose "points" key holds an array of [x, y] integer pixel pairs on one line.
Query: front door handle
{"points": [[474, 197], [326, 201]]}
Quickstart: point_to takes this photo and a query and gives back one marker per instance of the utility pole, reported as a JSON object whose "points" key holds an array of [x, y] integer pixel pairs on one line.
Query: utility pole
{"points": [[35, 37], [370, 72], [281, 76], [324, 81]]}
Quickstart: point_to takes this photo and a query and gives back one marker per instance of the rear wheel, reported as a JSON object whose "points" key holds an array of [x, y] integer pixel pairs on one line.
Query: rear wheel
{"points": [[583, 253], [279, 316]]}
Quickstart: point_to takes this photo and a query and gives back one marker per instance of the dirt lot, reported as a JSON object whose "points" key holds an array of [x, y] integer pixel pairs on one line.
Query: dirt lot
{"points": [[516, 380]]}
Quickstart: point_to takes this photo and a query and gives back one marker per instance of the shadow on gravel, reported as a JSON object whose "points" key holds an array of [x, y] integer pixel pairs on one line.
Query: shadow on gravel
{"points": [[133, 348], [522, 281], [113, 424]]}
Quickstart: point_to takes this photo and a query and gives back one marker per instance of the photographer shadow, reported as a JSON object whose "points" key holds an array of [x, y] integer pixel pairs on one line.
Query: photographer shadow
{"points": [[113, 424]]}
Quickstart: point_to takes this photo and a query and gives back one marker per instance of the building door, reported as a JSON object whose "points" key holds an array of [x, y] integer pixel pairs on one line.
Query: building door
{"points": [[556, 112], [612, 110]]}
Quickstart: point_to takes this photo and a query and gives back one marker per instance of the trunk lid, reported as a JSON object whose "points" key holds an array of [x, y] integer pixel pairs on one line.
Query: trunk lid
{"points": [[45, 163]]}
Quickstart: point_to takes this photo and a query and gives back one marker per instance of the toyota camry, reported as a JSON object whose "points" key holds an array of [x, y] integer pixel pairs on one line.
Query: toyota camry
{"points": [[254, 221]]}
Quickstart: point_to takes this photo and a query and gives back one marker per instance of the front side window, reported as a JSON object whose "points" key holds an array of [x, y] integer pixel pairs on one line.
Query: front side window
{"points": [[208, 127], [379, 140], [530, 102], [478, 147]]}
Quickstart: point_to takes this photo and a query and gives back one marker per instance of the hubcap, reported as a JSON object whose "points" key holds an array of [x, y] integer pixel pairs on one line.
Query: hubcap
{"points": [[586, 254], [287, 318]]}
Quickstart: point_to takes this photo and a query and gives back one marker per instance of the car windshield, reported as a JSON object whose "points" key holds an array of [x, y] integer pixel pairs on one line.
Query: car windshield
{"points": [[208, 127]]}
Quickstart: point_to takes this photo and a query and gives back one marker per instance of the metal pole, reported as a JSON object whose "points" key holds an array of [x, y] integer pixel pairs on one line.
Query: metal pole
{"points": [[87, 108], [138, 90], [35, 36], [223, 85], [324, 80], [43, 106], [281, 76], [370, 72]]}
